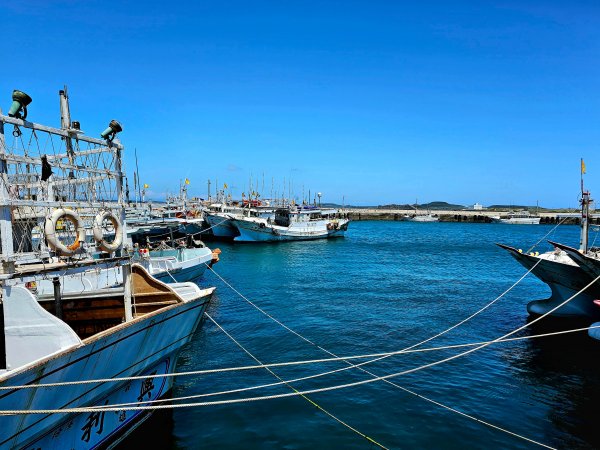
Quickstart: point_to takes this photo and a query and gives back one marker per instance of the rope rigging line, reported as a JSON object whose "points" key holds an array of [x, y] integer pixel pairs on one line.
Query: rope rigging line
{"points": [[292, 394], [283, 364], [358, 366], [394, 384], [287, 383], [382, 356], [547, 234], [211, 227], [407, 348]]}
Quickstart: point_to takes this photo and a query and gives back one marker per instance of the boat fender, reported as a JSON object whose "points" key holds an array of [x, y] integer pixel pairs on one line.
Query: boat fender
{"points": [[103, 244], [50, 231], [261, 225], [215, 257]]}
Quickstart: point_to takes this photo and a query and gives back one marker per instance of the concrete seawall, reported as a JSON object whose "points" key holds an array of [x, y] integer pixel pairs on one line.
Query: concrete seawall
{"points": [[456, 216]]}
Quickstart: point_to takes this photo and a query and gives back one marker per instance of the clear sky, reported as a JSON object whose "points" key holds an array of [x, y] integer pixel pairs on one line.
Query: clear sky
{"points": [[374, 101]]}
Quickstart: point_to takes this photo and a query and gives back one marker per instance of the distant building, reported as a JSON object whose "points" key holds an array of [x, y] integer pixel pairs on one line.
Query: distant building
{"points": [[478, 207]]}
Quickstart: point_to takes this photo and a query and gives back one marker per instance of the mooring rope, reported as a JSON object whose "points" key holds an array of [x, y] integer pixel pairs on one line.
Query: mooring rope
{"points": [[547, 234], [292, 394], [283, 364], [380, 356], [407, 348], [351, 366], [358, 366], [310, 391], [268, 385], [287, 383], [211, 227]]}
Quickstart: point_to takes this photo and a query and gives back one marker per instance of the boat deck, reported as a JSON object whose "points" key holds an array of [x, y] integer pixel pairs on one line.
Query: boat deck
{"points": [[27, 272]]}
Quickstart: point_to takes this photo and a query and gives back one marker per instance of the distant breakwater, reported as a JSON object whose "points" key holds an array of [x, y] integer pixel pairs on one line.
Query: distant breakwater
{"points": [[458, 216]]}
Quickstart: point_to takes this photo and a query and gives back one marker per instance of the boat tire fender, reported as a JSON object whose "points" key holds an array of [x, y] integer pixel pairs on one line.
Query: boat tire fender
{"points": [[50, 231], [103, 244]]}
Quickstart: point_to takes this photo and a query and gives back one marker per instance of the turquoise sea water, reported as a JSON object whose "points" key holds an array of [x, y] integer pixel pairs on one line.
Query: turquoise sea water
{"points": [[385, 286]]}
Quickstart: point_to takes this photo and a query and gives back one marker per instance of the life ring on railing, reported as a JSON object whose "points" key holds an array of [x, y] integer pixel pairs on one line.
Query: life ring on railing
{"points": [[50, 231], [103, 244]]}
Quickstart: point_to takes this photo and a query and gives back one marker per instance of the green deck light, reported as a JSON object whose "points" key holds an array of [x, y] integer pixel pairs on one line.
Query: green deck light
{"points": [[19, 104], [114, 127]]}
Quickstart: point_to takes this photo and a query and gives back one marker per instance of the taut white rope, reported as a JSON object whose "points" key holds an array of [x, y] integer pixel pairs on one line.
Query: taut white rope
{"points": [[310, 391], [284, 364], [546, 235], [287, 383]]}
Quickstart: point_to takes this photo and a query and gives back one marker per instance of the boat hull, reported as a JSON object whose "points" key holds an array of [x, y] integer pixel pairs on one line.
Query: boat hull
{"points": [[422, 219], [190, 266], [517, 221], [564, 280], [261, 232], [168, 266], [149, 344], [221, 227]]}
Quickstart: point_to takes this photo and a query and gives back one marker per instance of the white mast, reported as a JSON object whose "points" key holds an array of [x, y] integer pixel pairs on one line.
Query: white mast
{"points": [[585, 211]]}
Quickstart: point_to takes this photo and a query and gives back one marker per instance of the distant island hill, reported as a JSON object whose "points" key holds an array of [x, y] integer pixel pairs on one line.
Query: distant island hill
{"points": [[448, 212]]}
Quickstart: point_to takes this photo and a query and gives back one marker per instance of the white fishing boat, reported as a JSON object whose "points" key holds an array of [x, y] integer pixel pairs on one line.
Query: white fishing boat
{"points": [[50, 177], [292, 224], [220, 216], [219, 220], [169, 265], [179, 264], [420, 216], [517, 218], [564, 274], [425, 217], [189, 214]]}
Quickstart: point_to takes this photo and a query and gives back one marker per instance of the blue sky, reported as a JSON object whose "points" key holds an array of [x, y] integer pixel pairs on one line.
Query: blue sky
{"points": [[376, 102]]}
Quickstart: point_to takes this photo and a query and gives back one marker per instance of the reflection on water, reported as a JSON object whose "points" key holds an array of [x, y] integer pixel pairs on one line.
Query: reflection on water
{"points": [[563, 371]]}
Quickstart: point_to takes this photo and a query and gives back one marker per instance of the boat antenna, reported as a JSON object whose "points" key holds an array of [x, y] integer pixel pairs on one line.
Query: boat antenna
{"points": [[585, 210], [65, 123], [137, 169]]}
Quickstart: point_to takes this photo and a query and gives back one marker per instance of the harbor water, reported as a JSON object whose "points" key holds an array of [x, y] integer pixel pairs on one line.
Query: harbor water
{"points": [[384, 287]]}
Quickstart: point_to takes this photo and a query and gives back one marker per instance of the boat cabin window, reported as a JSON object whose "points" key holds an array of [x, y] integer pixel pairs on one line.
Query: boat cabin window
{"points": [[282, 218]]}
